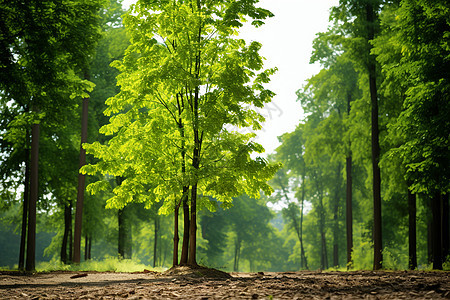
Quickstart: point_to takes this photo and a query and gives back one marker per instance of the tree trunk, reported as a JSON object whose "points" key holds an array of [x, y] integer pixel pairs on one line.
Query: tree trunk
{"points": [[86, 247], [237, 254], [34, 194], [321, 216], [323, 240], [26, 201], [90, 247], [336, 219], [81, 182], [192, 260], [303, 259], [412, 231], [445, 227], [155, 242], [69, 259], [377, 234], [125, 238], [176, 237], [437, 231], [186, 216], [376, 182], [121, 241], [349, 211], [67, 229]]}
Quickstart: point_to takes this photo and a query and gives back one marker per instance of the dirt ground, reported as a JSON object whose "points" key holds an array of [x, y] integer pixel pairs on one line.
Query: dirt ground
{"points": [[203, 284]]}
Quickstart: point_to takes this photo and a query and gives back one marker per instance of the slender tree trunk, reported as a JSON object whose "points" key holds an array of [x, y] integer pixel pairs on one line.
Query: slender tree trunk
{"points": [[128, 237], [69, 259], [321, 216], [336, 219], [445, 227], [86, 247], [90, 247], [437, 231], [377, 233], [192, 260], [237, 254], [412, 231], [303, 259], [349, 211], [67, 229], [430, 241], [323, 240], [155, 243], [121, 241], [34, 193], [125, 234], [26, 201], [81, 182], [186, 216], [176, 237]]}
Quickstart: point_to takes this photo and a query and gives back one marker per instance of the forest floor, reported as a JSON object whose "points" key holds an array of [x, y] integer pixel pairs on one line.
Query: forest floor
{"points": [[186, 283]]}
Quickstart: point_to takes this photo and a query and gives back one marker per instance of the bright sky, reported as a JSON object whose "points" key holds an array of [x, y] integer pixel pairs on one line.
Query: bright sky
{"points": [[286, 44]]}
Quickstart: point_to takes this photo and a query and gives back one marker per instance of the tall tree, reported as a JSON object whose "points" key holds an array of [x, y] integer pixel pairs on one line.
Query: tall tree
{"points": [[194, 67], [419, 68], [42, 55], [361, 21]]}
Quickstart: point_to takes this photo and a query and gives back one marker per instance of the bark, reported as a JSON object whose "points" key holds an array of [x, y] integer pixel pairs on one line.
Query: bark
{"points": [[89, 248], [377, 233], [26, 201], [186, 216], [81, 183], [155, 242], [349, 197], [321, 216], [437, 231], [237, 254], [192, 260], [412, 231], [67, 229], [445, 227], [349, 212], [70, 234], [303, 259], [430, 241], [336, 219], [34, 193], [86, 247], [121, 241], [176, 237], [125, 238]]}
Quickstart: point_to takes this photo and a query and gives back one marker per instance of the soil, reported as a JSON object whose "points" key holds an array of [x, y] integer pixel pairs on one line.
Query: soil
{"points": [[203, 283]]}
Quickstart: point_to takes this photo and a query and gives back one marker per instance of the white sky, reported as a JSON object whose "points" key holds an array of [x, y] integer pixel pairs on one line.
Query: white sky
{"points": [[286, 44]]}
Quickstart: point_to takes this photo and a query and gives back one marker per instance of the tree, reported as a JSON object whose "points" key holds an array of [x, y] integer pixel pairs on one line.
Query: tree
{"points": [[361, 21], [42, 56], [184, 77], [422, 69]]}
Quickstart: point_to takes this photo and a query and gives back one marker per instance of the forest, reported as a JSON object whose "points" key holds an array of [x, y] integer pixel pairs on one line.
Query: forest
{"points": [[119, 148]]}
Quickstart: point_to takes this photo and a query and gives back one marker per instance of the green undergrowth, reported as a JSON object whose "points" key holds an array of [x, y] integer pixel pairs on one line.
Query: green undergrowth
{"points": [[108, 264]]}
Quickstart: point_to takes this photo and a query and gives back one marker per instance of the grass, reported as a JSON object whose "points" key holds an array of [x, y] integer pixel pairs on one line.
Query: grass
{"points": [[108, 264]]}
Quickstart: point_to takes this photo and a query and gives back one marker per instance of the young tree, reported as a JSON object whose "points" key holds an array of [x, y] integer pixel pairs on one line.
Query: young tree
{"points": [[183, 79]]}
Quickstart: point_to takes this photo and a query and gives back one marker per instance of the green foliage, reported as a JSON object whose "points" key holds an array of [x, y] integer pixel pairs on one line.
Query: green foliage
{"points": [[182, 79]]}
